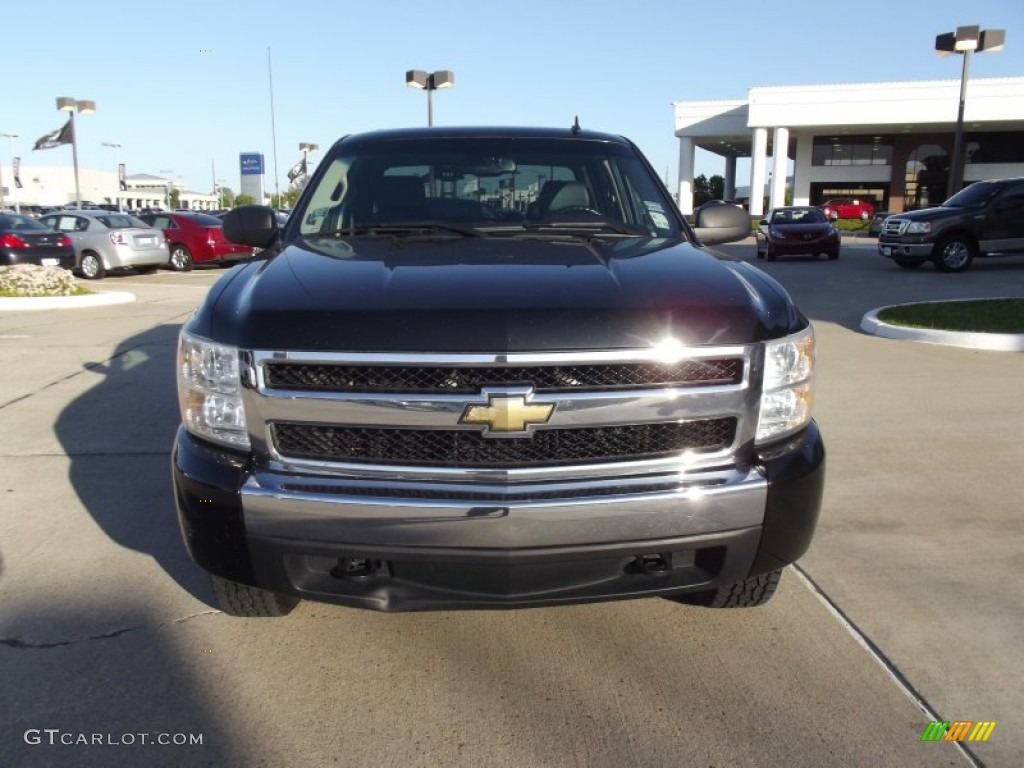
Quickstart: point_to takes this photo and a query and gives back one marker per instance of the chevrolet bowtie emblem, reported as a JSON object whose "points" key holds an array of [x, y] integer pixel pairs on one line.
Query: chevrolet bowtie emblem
{"points": [[507, 414]]}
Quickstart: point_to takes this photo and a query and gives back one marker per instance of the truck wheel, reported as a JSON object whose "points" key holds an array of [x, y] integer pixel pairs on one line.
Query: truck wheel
{"points": [[748, 593], [236, 599], [769, 254], [954, 253], [909, 263]]}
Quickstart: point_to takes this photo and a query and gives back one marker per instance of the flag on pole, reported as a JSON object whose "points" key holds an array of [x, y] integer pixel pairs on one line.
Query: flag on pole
{"points": [[63, 135], [299, 169]]}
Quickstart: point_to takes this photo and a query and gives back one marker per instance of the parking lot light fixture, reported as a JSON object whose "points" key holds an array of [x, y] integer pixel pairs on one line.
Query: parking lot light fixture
{"points": [[429, 82], [70, 105], [965, 41]]}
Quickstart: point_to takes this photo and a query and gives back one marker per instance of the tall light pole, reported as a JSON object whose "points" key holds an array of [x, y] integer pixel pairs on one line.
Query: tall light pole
{"points": [[3, 204], [429, 82], [70, 105], [117, 156], [964, 41]]}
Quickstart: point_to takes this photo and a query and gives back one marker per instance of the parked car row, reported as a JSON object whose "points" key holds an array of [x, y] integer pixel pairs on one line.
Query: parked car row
{"points": [[95, 241]]}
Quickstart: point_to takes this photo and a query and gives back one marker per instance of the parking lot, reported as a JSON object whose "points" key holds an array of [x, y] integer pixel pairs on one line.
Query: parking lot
{"points": [[909, 606]]}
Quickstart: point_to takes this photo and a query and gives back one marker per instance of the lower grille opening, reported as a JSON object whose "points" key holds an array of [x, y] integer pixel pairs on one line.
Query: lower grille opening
{"points": [[464, 448]]}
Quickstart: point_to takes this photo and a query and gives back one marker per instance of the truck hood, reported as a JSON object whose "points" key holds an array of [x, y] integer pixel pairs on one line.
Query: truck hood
{"points": [[929, 214], [493, 294]]}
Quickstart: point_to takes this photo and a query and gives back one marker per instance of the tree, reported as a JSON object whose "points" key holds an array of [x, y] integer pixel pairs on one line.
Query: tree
{"points": [[705, 189], [226, 197], [243, 200], [716, 185], [701, 190], [291, 196]]}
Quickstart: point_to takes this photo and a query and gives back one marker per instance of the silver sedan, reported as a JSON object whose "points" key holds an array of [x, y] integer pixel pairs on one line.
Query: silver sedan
{"points": [[106, 240]]}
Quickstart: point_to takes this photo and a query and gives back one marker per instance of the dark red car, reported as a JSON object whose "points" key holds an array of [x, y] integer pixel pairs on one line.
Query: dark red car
{"points": [[195, 238], [848, 208], [796, 229]]}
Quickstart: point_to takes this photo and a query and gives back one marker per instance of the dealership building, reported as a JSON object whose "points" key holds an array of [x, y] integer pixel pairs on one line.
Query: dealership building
{"points": [[891, 143], [54, 185]]}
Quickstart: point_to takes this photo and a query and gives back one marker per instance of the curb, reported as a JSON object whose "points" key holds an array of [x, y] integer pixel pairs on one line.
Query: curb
{"points": [[99, 299], [999, 342]]}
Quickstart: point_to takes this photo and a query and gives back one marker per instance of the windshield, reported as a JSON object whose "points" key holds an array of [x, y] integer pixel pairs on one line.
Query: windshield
{"points": [[121, 221], [799, 216], [16, 222], [977, 195], [487, 185]]}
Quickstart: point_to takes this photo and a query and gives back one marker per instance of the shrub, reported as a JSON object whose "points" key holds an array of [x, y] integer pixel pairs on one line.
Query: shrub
{"points": [[31, 280]]}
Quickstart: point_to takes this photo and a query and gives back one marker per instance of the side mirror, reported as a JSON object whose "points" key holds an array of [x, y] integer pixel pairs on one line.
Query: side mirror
{"points": [[721, 224], [763, 223], [254, 225]]}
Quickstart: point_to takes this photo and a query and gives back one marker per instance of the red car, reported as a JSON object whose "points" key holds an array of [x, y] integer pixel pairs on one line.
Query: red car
{"points": [[848, 208], [195, 238], [796, 229]]}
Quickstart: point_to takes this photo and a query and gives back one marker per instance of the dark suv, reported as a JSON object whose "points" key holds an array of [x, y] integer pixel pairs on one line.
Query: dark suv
{"points": [[984, 219]]}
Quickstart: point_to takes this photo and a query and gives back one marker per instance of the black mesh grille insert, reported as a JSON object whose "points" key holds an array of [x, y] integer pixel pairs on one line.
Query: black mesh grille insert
{"points": [[464, 448], [546, 378]]}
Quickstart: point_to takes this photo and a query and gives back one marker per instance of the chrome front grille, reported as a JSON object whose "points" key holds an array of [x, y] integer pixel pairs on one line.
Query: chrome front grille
{"points": [[613, 414], [894, 226], [312, 377], [550, 447]]}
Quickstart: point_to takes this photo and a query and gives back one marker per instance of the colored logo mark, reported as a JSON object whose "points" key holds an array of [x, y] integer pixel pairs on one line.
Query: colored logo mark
{"points": [[958, 730]]}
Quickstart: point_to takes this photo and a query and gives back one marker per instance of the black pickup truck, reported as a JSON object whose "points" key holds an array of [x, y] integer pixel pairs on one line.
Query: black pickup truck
{"points": [[493, 368], [984, 219]]}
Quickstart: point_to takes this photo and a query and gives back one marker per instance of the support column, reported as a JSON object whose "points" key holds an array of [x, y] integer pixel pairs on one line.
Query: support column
{"points": [[730, 178], [780, 165], [760, 152], [686, 161], [802, 169]]}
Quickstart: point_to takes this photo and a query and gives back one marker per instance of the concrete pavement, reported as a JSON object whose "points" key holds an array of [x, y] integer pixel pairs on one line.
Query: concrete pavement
{"points": [[107, 628]]}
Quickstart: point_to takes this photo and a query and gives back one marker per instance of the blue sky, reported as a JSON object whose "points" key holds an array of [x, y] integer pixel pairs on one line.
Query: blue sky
{"points": [[184, 86]]}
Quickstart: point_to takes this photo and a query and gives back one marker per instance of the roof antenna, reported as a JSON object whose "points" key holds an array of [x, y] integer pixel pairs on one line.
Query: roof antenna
{"points": [[576, 126]]}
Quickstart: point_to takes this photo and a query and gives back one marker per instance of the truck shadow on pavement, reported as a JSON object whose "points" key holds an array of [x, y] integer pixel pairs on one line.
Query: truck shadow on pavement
{"points": [[118, 436]]}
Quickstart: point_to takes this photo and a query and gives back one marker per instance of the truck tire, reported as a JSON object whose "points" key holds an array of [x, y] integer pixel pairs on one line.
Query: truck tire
{"points": [[748, 593], [954, 253], [236, 599]]}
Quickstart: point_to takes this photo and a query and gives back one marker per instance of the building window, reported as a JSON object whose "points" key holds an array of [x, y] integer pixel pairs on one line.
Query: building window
{"points": [[852, 150], [996, 147], [926, 177]]}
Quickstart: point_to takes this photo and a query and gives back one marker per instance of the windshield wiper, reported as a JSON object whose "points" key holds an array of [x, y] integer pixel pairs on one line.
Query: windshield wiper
{"points": [[405, 228], [586, 228]]}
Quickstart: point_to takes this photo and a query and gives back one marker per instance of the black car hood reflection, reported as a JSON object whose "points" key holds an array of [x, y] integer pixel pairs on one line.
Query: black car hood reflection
{"points": [[494, 294]]}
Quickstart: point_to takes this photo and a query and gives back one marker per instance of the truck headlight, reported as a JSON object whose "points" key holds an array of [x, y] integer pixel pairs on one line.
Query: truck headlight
{"points": [[919, 227], [210, 391], [787, 392]]}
